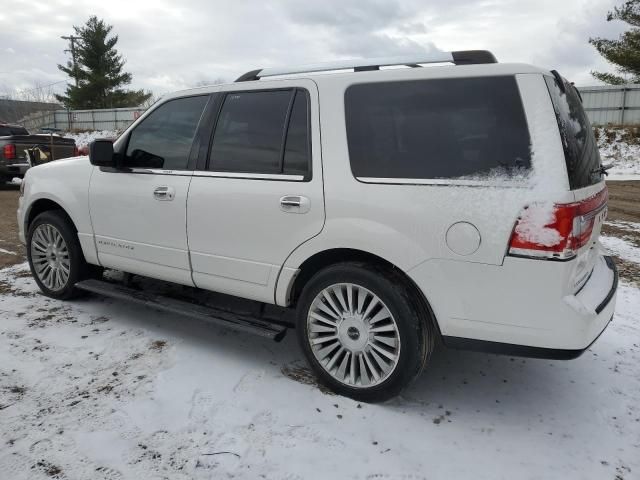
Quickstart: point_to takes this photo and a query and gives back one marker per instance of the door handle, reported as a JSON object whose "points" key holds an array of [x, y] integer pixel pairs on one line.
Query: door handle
{"points": [[164, 193], [295, 204]]}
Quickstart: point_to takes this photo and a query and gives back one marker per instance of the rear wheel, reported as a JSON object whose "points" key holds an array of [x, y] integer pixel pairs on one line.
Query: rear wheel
{"points": [[361, 331], [55, 255]]}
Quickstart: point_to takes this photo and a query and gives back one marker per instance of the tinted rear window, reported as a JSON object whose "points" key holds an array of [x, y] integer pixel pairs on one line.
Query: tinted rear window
{"points": [[263, 132], [5, 131], [579, 143], [248, 137], [297, 147], [442, 128]]}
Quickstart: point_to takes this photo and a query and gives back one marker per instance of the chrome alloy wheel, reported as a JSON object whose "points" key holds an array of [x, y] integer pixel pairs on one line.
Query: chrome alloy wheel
{"points": [[50, 257], [353, 335]]}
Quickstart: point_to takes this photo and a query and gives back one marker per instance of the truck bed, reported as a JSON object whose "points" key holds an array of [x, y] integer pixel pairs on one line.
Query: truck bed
{"points": [[15, 145]]}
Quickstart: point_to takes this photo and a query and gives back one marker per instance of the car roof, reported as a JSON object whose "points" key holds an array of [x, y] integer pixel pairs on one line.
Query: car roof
{"points": [[437, 65]]}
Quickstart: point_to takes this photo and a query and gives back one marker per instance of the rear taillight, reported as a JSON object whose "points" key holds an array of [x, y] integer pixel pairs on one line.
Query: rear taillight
{"points": [[9, 151], [556, 231], [76, 152]]}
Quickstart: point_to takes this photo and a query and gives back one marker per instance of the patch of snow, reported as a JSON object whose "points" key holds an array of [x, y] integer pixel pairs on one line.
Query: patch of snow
{"points": [[83, 139], [615, 148], [102, 389], [621, 248], [624, 225], [622, 178], [7, 252], [533, 225]]}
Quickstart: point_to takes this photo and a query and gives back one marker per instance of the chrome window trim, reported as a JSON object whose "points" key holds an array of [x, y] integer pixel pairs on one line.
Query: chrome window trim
{"points": [[202, 173], [249, 176], [444, 182], [159, 171]]}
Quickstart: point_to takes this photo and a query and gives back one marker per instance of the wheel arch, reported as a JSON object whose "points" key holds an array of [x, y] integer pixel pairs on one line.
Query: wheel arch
{"points": [[42, 205], [47, 204], [326, 258]]}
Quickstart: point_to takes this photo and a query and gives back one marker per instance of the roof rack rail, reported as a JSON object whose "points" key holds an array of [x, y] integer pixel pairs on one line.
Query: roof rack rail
{"points": [[463, 57]]}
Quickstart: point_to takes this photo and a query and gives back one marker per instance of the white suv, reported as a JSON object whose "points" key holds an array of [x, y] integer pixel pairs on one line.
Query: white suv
{"points": [[377, 210]]}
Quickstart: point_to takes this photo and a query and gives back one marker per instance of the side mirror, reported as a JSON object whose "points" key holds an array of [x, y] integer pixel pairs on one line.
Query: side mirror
{"points": [[101, 153]]}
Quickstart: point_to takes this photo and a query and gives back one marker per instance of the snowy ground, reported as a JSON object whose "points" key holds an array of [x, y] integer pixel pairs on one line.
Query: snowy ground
{"points": [[621, 148], [97, 389]]}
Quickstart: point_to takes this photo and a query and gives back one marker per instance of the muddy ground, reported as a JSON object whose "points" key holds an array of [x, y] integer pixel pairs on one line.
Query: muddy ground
{"points": [[9, 226], [624, 206]]}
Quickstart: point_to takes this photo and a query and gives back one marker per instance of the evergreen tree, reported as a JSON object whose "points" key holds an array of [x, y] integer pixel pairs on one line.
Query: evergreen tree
{"points": [[624, 52], [99, 75]]}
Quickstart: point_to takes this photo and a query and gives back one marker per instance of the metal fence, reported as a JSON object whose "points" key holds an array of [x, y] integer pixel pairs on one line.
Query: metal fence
{"points": [[107, 119], [617, 104]]}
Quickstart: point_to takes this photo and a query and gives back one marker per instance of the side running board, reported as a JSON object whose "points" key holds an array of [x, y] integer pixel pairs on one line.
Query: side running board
{"points": [[234, 321]]}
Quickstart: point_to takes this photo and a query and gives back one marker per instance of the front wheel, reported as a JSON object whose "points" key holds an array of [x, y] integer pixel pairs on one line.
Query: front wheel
{"points": [[55, 255], [361, 331]]}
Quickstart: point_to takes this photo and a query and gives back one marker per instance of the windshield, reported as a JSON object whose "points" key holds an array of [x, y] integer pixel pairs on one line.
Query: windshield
{"points": [[579, 143]]}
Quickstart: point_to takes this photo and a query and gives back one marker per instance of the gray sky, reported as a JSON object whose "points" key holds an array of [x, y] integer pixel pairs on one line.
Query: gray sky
{"points": [[171, 45]]}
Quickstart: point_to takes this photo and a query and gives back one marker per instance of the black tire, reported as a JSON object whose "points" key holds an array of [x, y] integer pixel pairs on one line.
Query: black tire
{"points": [[416, 333], [79, 269]]}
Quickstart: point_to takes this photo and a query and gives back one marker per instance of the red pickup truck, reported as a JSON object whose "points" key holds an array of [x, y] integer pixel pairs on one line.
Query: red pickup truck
{"points": [[15, 139]]}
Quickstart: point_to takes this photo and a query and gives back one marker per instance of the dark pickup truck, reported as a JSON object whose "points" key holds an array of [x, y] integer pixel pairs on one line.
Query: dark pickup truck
{"points": [[15, 139]]}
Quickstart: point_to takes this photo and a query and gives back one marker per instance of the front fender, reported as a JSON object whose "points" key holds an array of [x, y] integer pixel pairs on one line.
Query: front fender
{"points": [[66, 183]]}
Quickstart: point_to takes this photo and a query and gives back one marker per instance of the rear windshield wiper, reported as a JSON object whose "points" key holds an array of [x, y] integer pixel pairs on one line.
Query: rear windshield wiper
{"points": [[602, 169]]}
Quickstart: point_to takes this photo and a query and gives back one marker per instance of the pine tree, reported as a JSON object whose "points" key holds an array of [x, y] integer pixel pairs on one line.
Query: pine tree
{"points": [[624, 53], [99, 75]]}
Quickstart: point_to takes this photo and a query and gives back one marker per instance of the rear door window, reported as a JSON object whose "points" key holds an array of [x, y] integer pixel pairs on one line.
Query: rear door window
{"points": [[263, 132], [578, 140], [297, 150], [460, 128]]}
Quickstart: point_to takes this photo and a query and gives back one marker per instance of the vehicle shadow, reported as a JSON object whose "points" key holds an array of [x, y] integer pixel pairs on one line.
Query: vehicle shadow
{"points": [[509, 389]]}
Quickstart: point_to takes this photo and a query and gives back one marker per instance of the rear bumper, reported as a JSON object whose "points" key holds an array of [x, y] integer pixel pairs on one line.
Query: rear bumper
{"points": [[13, 169], [519, 308], [516, 350]]}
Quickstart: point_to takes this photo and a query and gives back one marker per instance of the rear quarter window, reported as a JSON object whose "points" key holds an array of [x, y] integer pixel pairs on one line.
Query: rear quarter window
{"points": [[461, 128]]}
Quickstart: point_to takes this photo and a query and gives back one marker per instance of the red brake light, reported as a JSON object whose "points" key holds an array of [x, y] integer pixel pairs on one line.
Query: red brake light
{"points": [[9, 151], [556, 231]]}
